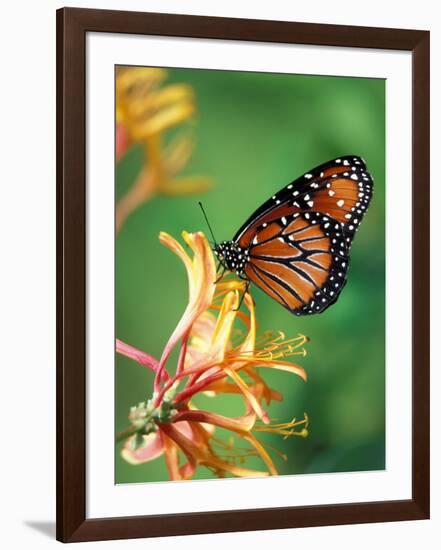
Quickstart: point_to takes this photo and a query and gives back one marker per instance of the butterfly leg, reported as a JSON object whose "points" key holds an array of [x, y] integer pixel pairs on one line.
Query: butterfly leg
{"points": [[220, 276], [243, 295]]}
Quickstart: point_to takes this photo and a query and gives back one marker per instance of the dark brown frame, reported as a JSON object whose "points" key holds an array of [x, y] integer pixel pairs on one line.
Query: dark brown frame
{"points": [[72, 26]]}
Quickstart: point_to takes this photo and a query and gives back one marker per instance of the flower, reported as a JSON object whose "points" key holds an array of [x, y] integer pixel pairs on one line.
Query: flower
{"points": [[145, 110], [214, 359]]}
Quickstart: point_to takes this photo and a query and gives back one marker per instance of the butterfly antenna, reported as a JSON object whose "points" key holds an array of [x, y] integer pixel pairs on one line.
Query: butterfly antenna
{"points": [[208, 223]]}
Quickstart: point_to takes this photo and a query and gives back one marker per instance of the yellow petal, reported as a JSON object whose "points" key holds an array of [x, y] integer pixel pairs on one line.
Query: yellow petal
{"points": [[166, 118], [278, 365], [138, 80], [172, 94], [171, 243], [201, 271], [262, 453], [144, 107], [249, 343], [200, 338], [253, 402], [202, 331], [238, 471], [222, 332], [178, 153], [185, 186]]}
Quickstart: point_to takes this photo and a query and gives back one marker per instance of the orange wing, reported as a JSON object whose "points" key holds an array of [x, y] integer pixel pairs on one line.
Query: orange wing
{"points": [[301, 264], [341, 189]]}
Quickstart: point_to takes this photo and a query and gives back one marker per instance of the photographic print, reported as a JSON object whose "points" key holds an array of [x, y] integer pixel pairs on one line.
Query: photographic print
{"points": [[249, 274], [226, 314]]}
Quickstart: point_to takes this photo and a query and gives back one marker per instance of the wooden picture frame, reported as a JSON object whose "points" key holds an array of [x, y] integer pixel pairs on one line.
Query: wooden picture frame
{"points": [[72, 26]]}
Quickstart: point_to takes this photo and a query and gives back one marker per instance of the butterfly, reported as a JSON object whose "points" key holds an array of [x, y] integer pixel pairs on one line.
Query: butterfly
{"points": [[295, 247]]}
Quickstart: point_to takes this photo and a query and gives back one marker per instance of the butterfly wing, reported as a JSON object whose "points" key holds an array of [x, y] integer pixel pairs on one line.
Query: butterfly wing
{"points": [[340, 188], [298, 241], [303, 264]]}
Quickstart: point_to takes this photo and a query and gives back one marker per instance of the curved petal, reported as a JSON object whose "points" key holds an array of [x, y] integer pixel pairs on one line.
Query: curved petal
{"points": [[249, 343], [121, 140], [200, 338], [262, 453], [219, 343], [249, 396], [202, 456], [240, 424], [167, 117], [137, 355], [171, 457], [201, 271], [171, 243], [140, 79], [152, 448], [222, 332], [185, 429], [187, 470], [255, 362]]}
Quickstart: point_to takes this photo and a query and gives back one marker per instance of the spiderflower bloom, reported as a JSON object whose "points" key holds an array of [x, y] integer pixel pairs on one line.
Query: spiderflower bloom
{"points": [[213, 360], [145, 110]]}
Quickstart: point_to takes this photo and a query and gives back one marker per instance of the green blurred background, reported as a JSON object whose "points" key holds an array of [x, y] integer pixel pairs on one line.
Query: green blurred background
{"points": [[254, 134]]}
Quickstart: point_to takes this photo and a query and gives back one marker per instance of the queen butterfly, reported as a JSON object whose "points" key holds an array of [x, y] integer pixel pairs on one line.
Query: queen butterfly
{"points": [[295, 247]]}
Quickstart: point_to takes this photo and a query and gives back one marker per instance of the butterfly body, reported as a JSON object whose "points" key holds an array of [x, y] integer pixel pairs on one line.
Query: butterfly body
{"points": [[232, 257], [295, 247]]}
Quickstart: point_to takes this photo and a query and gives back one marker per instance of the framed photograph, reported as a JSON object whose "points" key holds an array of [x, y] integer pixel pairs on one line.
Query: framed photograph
{"points": [[243, 274]]}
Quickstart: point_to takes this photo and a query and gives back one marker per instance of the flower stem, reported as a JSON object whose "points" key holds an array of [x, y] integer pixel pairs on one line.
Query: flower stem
{"points": [[139, 192], [131, 430]]}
